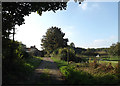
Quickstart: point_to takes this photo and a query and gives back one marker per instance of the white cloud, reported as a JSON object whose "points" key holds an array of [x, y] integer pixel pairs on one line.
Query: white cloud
{"points": [[87, 6], [100, 43], [95, 5], [83, 6], [104, 42]]}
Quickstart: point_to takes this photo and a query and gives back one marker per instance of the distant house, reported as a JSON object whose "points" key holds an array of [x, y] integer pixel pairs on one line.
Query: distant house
{"points": [[31, 49], [34, 51], [98, 55]]}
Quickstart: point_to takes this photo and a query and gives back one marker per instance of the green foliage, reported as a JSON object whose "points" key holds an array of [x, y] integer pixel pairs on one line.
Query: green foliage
{"points": [[89, 52], [105, 78], [59, 62], [16, 63], [114, 58], [114, 50], [55, 52], [94, 64], [117, 68], [79, 50], [63, 54], [107, 62], [35, 61], [66, 54], [76, 77], [53, 40], [72, 45], [13, 50], [20, 70], [13, 13]]}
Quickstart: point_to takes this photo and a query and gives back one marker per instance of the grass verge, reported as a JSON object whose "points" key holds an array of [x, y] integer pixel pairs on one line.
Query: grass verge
{"points": [[20, 71], [59, 62], [81, 76]]}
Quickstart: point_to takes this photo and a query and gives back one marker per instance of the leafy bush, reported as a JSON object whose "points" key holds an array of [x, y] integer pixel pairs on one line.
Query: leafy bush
{"points": [[89, 52], [110, 67], [64, 70], [105, 78], [55, 52], [102, 67], [19, 70], [64, 53], [94, 64], [117, 68], [74, 76]]}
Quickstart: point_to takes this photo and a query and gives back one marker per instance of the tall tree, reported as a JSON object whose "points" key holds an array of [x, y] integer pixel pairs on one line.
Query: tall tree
{"points": [[114, 50], [53, 39], [13, 12]]}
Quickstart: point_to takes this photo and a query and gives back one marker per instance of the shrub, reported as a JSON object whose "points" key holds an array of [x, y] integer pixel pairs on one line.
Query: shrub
{"points": [[117, 68], [94, 64], [102, 67], [77, 75], [64, 53], [110, 67], [74, 76], [105, 78], [54, 53], [19, 70]]}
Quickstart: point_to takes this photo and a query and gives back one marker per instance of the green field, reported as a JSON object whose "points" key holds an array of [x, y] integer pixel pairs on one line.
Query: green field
{"points": [[84, 73], [114, 63]]}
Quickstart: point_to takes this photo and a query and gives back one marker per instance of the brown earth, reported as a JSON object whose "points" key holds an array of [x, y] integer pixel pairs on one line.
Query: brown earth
{"points": [[47, 73]]}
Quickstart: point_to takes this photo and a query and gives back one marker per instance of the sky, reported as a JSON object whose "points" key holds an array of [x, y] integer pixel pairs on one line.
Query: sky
{"points": [[89, 25]]}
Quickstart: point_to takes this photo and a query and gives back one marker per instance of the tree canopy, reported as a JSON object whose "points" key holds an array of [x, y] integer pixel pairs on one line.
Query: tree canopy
{"points": [[13, 12], [53, 39], [115, 49]]}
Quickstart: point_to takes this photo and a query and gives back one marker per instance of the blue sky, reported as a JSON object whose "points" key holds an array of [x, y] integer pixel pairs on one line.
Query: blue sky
{"points": [[89, 25]]}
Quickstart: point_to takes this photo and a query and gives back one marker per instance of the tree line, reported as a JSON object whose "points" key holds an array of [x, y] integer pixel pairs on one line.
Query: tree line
{"points": [[13, 57], [53, 41]]}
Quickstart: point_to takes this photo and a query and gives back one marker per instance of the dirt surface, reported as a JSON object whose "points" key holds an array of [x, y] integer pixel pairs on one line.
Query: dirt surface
{"points": [[47, 73]]}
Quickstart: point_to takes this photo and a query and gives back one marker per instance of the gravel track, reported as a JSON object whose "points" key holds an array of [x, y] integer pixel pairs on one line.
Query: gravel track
{"points": [[47, 73]]}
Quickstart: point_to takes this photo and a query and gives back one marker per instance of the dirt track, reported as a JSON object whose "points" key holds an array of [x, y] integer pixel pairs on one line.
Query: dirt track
{"points": [[47, 73]]}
